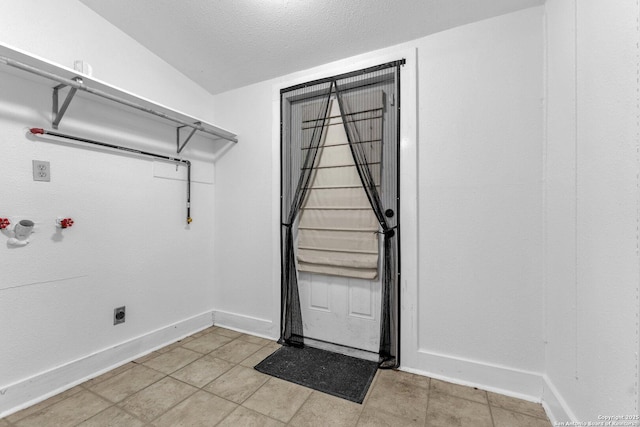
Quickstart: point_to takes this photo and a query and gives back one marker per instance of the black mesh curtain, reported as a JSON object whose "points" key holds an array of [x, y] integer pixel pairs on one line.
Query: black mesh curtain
{"points": [[365, 155], [300, 159], [376, 157]]}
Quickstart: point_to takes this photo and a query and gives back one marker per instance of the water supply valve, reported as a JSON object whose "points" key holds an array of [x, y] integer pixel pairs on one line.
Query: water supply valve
{"points": [[4, 223], [21, 233], [64, 222]]}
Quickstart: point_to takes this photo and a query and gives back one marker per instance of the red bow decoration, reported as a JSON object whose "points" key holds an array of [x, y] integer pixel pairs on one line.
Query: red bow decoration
{"points": [[66, 223], [4, 223]]}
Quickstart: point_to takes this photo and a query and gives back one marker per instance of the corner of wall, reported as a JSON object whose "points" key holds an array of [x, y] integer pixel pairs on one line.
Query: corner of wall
{"points": [[591, 209], [554, 404], [247, 324]]}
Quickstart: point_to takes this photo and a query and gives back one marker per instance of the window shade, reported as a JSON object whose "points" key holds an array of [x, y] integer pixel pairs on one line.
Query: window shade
{"points": [[338, 230]]}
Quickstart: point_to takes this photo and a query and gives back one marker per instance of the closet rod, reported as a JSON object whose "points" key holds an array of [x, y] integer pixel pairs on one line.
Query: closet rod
{"points": [[79, 85], [40, 131]]}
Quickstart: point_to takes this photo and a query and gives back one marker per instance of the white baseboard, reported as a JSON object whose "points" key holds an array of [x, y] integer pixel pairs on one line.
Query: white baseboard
{"points": [[498, 379], [39, 387], [247, 324], [557, 409]]}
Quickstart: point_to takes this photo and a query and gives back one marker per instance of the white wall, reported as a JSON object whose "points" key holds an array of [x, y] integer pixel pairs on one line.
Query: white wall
{"points": [[525, 287], [66, 30], [480, 193], [479, 92], [501, 264], [244, 219], [591, 215], [129, 245]]}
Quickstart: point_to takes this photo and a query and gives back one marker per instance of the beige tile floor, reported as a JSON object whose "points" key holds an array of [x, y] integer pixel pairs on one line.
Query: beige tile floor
{"points": [[208, 380]]}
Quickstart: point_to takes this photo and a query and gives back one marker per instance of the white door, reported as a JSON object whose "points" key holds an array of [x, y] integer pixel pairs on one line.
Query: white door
{"points": [[341, 310], [340, 303]]}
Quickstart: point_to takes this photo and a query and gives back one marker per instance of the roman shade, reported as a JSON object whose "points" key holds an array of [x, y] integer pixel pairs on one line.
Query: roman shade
{"points": [[338, 233]]}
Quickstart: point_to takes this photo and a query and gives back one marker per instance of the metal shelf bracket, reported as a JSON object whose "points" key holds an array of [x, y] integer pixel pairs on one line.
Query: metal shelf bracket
{"points": [[109, 93], [180, 147], [58, 111]]}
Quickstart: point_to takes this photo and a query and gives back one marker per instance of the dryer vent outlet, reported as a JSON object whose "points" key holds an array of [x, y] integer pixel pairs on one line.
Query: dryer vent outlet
{"points": [[119, 315]]}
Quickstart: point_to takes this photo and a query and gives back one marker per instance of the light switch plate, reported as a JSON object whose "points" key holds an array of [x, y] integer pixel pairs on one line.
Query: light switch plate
{"points": [[41, 171]]}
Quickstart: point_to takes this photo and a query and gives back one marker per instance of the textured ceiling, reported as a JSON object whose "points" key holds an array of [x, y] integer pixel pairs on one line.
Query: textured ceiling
{"points": [[226, 44]]}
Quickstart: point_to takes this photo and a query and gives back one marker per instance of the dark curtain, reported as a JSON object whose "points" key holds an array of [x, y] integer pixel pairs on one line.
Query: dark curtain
{"points": [[363, 156], [295, 185]]}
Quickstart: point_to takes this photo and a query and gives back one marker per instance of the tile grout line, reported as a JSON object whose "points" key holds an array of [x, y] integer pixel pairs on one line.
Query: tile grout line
{"points": [[113, 405], [493, 421], [119, 403], [175, 404], [262, 346], [519, 412], [365, 402], [254, 392], [234, 366], [49, 405], [426, 407], [492, 405], [99, 412], [200, 388], [460, 397], [111, 376], [298, 410]]}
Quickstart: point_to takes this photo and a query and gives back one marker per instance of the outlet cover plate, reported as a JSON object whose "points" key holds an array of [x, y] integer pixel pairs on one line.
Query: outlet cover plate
{"points": [[119, 315], [41, 171]]}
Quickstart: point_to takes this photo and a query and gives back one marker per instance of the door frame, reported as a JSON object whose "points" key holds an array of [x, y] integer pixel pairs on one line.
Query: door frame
{"points": [[284, 105], [407, 323]]}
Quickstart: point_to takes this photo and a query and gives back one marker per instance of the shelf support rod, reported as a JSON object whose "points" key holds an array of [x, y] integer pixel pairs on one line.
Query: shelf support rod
{"points": [[58, 112], [181, 147]]}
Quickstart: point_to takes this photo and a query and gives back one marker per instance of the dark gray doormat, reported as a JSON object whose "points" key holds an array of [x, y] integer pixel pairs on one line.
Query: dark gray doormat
{"points": [[342, 376]]}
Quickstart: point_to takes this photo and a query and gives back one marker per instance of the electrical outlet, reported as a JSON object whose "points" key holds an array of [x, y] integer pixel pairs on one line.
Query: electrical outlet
{"points": [[119, 315], [41, 171]]}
